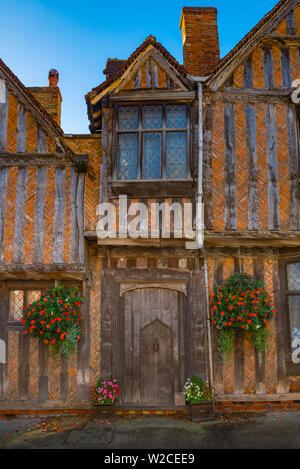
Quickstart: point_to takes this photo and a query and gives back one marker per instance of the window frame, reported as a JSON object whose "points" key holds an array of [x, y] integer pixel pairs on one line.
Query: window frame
{"points": [[140, 131], [293, 369], [297, 138]]}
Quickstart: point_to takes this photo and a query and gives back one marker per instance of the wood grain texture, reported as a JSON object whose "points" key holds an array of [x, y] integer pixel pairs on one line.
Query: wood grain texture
{"points": [[21, 136], [3, 189], [207, 165], [230, 167], [260, 371], [272, 168], [268, 67], [59, 215], [43, 371], [253, 214], [3, 121], [286, 67], [291, 119], [19, 217], [39, 216]]}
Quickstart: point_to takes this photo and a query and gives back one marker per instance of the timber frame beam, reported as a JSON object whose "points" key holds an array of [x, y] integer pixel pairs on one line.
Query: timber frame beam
{"points": [[252, 238], [253, 95], [281, 40], [43, 272], [40, 159]]}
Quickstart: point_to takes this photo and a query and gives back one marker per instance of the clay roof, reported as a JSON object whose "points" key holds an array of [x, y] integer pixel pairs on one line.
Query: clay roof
{"points": [[150, 40], [112, 66], [26, 92]]}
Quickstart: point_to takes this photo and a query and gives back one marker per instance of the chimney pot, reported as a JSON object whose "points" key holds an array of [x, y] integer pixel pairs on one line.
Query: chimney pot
{"points": [[53, 77]]}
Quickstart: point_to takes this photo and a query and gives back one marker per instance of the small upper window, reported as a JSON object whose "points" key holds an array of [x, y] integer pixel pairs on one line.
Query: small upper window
{"points": [[152, 142]]}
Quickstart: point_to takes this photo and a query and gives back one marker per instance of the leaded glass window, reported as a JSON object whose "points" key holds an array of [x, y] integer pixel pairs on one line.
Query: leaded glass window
{"points": [[293, 282], [20, 298], [152, 142]]}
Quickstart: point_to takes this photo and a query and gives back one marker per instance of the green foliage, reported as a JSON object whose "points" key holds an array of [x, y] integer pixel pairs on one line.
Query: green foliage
{"points": [[225, 342], [260, 338], [56, 319], [241, 303], [195, 390]]}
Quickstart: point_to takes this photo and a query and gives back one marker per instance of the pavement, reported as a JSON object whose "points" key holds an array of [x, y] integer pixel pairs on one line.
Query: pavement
{"points": [[275, 430]]}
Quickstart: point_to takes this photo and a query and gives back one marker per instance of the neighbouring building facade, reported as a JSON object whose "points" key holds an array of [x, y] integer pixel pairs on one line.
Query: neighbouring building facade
{"points": [[224, 132]]}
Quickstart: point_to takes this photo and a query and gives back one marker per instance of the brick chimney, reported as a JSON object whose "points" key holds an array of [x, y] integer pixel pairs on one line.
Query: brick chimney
{"points": [[200, 40], [49, 96]]}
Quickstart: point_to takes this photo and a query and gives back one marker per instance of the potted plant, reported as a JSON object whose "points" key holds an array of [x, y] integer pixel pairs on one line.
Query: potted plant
{"points": [[241, 303], [104, 396], [56, 319], [199, 397]]}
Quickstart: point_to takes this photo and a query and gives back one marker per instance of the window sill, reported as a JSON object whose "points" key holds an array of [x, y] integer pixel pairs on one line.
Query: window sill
{"points": [[153, 188]]}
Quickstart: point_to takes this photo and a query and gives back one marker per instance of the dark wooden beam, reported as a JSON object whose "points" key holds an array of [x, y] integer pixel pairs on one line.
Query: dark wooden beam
{"points": [[251, 139], [42, 271], [272, 168], [260, 357], [155, 189], [3, 120], [59, 215], [21, 136], [20, 216], [154, 95], [34, 159], [8, 159], [256, 95], [252, 238], [39, 215], [281, 40], [3, 189], [230, 167]]}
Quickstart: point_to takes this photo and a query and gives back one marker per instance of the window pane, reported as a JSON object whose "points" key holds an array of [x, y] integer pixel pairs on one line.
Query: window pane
{"points": [[16, 301], [33, 295], [152, 117], [127, 156], [152, 156], [294, 309], [176, 158], [176, 117], [128, 118], [293, 271]]}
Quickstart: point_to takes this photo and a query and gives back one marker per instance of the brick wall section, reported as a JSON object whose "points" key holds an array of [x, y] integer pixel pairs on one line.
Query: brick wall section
{"points": [[225, 408], [201, 51], [50, 98]]}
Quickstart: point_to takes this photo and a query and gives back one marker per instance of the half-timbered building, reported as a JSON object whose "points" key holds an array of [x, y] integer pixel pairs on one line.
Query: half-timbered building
{"points": [[219, 134]]}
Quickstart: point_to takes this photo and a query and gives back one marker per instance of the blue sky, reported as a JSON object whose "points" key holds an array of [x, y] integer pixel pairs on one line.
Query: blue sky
{"points": [[76, 38]]}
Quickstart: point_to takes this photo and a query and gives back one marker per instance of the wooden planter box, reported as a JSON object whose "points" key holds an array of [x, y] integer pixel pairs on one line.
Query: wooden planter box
{"points": [[104, 410], [203, 411]]}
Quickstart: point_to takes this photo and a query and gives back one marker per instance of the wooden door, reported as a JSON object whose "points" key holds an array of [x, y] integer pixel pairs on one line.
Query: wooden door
{"points": [[152, 362]]}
